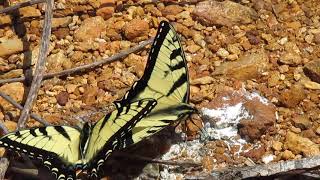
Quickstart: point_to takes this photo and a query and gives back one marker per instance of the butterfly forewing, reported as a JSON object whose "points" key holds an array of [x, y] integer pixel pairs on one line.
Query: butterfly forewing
{"points": [[166, 80], [55, 146]]}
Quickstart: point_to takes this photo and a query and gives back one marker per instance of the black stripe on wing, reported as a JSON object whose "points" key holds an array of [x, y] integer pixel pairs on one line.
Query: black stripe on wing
{"points": [[120, 139], [62, 131], [181, 81]]}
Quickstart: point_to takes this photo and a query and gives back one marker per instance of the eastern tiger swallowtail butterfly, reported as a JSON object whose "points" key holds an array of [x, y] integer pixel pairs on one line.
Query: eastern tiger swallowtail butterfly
{"points": [[159, 98]]}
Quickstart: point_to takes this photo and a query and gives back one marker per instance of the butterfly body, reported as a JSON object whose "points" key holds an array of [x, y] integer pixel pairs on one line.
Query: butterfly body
{"points": [[159, 98]]}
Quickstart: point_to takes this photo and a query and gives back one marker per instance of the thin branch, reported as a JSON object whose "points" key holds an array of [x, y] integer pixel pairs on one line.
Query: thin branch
{"points": [[17, 105], [20, 79], [40, 67], [179, 2], [158, 161], [27, 172], [278, 168], [20, 5], [118, 56], [4, 164], [4, 128], [113, 58]]}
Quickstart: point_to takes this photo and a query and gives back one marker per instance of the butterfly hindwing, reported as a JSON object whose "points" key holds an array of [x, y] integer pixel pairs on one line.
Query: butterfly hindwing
{"points": [[111, 132]]}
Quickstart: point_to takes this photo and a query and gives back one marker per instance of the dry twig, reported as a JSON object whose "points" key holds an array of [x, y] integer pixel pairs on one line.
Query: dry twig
{"points": [[4, 164], [118, 56], [4, 128], [159, 161], [40, 67], [20, 79], [28, 172], [17, 105], [20, 5], [282, 167]]}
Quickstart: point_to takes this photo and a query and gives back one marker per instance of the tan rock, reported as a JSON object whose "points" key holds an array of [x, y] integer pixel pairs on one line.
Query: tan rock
{"points": [[274, 79], [316, 38], [2, 152], [5, 20], [277, 146], [302, 122], [193, 48], [135, 61], [309, 133], [208, 163], [293, 96], [295, 129], [58, 62], [310, 84], [171, 10], [292, 47], [298, 144], [15, 91], [256, 153], [286, 155], [283, 68], [318, 130], [185, 31], [89, 95], [1, 115], [12, 74], [193, 128], [71, 88], [11, 125], [60, 22], [196, 89], [291, 58], [53, 118], [29, 11], [105, 12], [136, 30], [249, 66], [90, 29], [226, 13], [113, 35], [61, 33], [203, 80], [294, 25], [312, 70], [10, 46], [104, 3], [222, 53], [234, 48]]}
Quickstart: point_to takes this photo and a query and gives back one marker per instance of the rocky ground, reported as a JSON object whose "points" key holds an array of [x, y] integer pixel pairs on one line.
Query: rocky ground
{"points": [[259, 57]]}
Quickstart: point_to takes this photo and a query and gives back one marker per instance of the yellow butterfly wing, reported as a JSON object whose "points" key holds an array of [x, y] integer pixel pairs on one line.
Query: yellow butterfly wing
{"points": [[55, 146], [112, 132], [166, 80]]}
